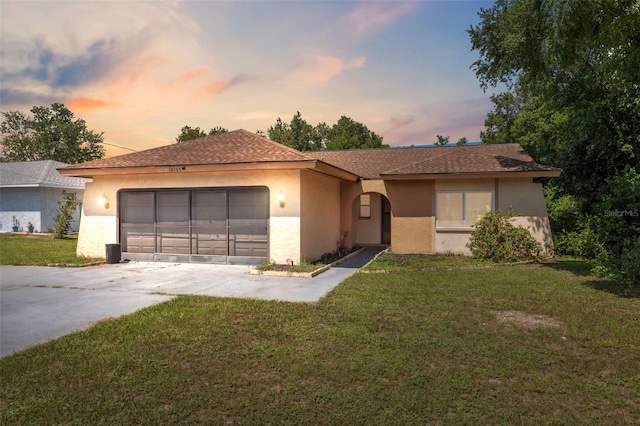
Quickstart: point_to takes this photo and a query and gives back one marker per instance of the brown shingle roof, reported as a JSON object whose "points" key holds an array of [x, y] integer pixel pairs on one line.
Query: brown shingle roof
{"points": [[238, 146], [242, 147], [375, 163]]}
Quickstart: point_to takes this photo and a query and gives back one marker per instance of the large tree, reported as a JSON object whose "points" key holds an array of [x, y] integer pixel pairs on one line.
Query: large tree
{"points": [[572, 99], [571, 70], [345, 134], [51, 133], [188, 133]]}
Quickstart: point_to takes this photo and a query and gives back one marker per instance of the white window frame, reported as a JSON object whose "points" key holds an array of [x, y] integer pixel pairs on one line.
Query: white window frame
{"points": [[465, 223]]}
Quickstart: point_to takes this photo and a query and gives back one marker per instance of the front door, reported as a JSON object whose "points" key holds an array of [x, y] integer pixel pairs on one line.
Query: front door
{"points": [[386, 220]]}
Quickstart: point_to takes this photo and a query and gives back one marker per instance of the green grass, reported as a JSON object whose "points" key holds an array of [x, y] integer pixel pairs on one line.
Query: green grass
{"points": [[389, 261], [34, 249], [407, 347]]}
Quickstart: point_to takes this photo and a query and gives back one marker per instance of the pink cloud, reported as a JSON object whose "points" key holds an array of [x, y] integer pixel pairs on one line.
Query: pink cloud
{"points": [[370, 16], [321, 69], [82, 105], [190, 76]]}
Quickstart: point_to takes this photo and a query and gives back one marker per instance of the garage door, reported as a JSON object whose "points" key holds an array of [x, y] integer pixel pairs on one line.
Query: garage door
{"points": [[208, 225]]}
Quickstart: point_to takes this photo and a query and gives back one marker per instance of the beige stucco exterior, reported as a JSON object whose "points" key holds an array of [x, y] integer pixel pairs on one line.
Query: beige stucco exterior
{"points": [[523, 195], [99, 225], [413, 207], [318, 208], [320, 215]]}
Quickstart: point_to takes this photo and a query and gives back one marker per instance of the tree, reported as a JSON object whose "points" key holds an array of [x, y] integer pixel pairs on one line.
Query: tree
{"points": [[345, 134], [571, 73], [298, 134], [462, 141], [573, 87], [188, 133], [442, 140], [51, 133], [350, 134]]}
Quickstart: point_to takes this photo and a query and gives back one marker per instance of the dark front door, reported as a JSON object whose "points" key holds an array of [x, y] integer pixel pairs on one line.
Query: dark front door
{"points": [[386, 221]]}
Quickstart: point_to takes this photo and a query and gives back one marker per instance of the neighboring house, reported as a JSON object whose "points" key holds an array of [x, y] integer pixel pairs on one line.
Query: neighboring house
{"points": [[30, 191], [240, 198]]}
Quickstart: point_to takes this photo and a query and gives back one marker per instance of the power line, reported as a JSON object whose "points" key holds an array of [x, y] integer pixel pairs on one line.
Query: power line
{"points": [[118, 146]]}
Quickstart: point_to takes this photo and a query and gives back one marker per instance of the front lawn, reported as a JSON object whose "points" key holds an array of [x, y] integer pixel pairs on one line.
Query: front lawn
{"points": [[41, 249], [530, 344]]}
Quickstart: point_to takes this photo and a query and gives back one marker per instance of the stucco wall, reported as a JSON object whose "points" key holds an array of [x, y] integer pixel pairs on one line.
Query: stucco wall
{"points": [[368, 230], [413, 217], [99, 225], [523, 195], [320, 215], [527, 200]]}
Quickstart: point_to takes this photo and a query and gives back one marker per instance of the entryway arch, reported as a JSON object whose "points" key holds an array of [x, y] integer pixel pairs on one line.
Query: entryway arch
{"points": [[371, 222]]}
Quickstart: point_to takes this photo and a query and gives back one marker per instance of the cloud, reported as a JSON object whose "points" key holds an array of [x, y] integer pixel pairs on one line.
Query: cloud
{"points": [[376, 16], [320, 69], [81, 105], [11, 97]]}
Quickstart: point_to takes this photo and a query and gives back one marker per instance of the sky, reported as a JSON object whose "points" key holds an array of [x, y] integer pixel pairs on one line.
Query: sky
{"points": [[140, 71]]}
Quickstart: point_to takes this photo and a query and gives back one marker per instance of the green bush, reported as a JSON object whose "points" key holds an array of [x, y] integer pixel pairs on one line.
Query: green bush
{"points": [[66, 207], [495, 238]]}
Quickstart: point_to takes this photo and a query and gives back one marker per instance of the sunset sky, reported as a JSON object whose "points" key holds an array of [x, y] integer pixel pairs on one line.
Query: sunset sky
{"points": [[139, 71]]}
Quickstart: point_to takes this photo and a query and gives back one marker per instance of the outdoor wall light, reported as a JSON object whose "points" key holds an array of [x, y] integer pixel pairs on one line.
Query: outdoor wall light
{"points": [[104, 201], [281, 199]]}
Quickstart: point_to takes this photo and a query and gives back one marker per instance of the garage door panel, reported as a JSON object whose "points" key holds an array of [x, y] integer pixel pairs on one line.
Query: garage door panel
{"points": [[210, 224]]}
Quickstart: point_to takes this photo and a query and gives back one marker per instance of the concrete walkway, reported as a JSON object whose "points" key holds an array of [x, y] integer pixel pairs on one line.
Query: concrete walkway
{"points": [[39, 303]]}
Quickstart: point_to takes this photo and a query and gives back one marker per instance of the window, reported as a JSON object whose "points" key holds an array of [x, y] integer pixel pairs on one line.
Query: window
{"points": [[461, 208], [365, 205]]}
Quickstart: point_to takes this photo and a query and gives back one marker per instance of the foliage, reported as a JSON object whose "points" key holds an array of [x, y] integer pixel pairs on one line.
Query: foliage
{"points": [[298, 134], [188, 133], [572, 101], [345, 134], [495, 238], [66, 208], [417, 347], [51, 133], [441, 140], [41, 250], [617, 226], [462, 141], [350, 134]]}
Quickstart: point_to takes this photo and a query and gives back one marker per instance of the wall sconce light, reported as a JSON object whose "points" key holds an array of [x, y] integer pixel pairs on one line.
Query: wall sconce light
{"points": [[281, 199], [104, 201]]}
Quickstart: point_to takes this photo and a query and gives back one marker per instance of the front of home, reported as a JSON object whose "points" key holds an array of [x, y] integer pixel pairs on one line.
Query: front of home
{"points": [[240, 198]]}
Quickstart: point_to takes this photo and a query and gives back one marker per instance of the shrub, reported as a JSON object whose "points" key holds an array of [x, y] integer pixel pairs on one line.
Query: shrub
{"points": [[495, 238], [66, 207]]}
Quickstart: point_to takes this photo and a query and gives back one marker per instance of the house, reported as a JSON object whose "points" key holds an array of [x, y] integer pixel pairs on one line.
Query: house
{"points": [[30, 191], [241, 198]]}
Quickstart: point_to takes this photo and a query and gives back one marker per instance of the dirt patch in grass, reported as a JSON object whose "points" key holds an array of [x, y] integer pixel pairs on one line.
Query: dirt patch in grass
{"points": [[528, 320]]}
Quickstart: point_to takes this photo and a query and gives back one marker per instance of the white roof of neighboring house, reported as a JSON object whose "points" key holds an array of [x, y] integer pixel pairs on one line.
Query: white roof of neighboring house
{"points": [[25, 174]]}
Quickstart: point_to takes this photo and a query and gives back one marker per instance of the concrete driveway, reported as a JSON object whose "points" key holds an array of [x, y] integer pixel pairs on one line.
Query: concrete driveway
{"points": [[39, 303]]}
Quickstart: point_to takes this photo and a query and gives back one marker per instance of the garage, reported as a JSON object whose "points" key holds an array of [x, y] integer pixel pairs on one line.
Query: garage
{"points": [[203, 225]]}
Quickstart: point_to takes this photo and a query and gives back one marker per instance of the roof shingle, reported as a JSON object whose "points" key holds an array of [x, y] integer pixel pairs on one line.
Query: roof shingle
{"points": [[375, 163], [37, 173], [242, 147], [238, 146]]}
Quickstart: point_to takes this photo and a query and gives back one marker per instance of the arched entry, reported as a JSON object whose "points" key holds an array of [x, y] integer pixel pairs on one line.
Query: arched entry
{"points": [[371, 219]]}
